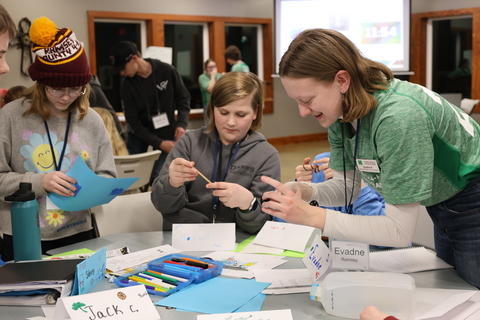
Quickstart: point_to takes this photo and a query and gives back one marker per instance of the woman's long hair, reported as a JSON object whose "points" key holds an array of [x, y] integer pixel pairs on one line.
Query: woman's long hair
{"points": [[321, 53], [118, 144], [39, 103]]}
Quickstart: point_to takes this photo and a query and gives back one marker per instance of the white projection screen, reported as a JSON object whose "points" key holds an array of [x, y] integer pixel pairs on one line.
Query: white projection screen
{"points": [[379, 28]]}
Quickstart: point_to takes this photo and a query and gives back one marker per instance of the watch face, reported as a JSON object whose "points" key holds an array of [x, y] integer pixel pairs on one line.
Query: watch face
{"points": [[254, 204]]}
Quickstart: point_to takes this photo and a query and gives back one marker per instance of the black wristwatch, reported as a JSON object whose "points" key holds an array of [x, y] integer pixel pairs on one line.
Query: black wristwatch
{"points": [[253, 204]]}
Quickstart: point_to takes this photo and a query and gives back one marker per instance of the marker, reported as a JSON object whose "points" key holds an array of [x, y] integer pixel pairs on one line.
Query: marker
{"points": [[152, 288], [168, 276], [209, 264], [137, 283], [183, 265], [192, 263], [160, 282], [164, 278], [145, 282], [176, 268]]}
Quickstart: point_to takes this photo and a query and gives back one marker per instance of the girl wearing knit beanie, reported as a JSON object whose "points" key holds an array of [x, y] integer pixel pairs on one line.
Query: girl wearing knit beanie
{"points": [[44, 133]]}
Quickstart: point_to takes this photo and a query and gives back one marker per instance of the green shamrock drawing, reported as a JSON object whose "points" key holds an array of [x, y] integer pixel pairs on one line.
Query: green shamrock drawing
{"points": [[78, 305]]}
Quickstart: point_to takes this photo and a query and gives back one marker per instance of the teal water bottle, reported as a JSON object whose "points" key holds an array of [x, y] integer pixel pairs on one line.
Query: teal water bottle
{"points": [[25, 225]]}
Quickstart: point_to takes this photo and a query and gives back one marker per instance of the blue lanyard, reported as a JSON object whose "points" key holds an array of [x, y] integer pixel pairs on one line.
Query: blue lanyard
{"points": [[59, 166], [217, 158]]}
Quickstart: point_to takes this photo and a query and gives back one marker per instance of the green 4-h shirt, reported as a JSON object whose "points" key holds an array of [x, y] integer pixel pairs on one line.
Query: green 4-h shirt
{"points": [[240, 66], [424, 148]]}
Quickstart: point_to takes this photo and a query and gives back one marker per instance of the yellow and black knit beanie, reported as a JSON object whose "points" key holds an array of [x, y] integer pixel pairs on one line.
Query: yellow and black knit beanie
{"points": [[60, 59]]}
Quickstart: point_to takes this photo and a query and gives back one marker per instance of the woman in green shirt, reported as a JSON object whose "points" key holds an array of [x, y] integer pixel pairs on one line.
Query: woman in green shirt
{"points": [[207, 80]]}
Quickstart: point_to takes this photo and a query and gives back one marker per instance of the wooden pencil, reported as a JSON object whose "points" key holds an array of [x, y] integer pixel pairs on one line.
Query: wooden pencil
{"points": [[201, 174]]}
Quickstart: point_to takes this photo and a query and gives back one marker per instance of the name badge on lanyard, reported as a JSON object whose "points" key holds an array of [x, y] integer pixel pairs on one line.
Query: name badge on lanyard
{"points": [[367, 165], [160, 120]]}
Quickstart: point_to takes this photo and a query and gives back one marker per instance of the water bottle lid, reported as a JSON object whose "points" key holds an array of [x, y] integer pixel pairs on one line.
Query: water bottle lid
{"points": [[23, 194]]}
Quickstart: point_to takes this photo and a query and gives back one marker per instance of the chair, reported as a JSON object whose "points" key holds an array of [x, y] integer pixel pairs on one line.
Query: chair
{"points": [[137, 166], [467, 105], [127, 213]]}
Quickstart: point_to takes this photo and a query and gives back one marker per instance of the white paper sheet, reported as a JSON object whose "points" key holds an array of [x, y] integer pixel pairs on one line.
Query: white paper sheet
{"points": [[245, 261], [203, 237], [258, 315], [443, 304], [257, 248], [284, 280], [134, 259], [284, 235]]}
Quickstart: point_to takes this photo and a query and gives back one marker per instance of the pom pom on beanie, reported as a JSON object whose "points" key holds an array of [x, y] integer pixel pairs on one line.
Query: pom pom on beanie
{"points": [[60, 59]]}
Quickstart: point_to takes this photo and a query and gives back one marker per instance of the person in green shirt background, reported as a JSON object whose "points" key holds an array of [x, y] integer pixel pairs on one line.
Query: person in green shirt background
{"points": [[233, 56], [207, 80]]}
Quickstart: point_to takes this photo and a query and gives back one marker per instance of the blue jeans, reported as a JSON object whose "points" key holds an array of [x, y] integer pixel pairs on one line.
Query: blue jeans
{"points": [[135, 146], [457, 231]]}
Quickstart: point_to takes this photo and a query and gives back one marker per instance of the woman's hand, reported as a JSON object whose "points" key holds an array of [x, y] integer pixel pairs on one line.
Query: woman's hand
{"points": [[322, 164], [181, 171], [59, 183], [372, 313], [286, 203], [305, 171], [232, 195]]}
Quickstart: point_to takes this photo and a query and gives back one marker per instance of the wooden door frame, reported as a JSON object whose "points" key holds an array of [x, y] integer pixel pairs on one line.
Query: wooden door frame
{"points": [[216, 31], [418, 46]]}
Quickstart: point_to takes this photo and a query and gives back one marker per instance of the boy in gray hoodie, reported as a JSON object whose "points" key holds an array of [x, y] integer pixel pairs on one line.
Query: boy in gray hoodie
{"points": [[229, 152]]}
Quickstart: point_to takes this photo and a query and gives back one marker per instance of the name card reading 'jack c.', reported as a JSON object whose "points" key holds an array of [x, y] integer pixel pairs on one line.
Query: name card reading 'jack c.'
{"points": [[127, 303]]}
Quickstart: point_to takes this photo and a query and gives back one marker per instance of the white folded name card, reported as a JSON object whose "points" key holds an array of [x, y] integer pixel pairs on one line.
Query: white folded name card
{"points": [[318, 259], [349, 255], [127, 303]]}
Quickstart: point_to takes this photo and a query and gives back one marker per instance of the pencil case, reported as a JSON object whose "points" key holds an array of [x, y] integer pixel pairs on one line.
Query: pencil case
{"points": [[198, 268], [159, 281], [163, 278]]}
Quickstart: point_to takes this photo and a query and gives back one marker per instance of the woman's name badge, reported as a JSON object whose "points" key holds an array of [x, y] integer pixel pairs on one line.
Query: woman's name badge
{"points": [[160, 121], [367, 165]]}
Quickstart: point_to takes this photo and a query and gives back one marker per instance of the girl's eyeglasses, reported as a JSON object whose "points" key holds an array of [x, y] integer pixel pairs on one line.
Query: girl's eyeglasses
{"points": [[71, 93]]}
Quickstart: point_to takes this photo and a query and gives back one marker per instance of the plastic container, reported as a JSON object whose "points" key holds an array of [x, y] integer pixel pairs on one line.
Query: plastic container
{"points": [[25, 225], [346, 294], [185, 274], [198, 274]]}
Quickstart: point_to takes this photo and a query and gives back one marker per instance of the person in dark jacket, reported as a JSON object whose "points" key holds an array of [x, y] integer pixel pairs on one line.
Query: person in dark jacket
{"points": [[152, 91]]}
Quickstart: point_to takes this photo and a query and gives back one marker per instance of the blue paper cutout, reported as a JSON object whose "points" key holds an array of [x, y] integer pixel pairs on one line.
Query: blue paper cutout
{"points": [[78, 189], [94, 190], [90, 272], [116, 192]]}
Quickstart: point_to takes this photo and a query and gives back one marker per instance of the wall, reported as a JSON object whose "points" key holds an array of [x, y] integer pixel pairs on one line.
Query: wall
{"points": [[441, 5], [284, 122]]}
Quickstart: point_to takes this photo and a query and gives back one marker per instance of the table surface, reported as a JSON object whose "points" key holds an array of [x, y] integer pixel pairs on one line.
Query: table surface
{"points": [[300, 304]]}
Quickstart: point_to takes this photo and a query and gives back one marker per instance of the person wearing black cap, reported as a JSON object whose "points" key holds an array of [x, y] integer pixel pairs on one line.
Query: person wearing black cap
{"points": [[151, 92], [44, 133]]}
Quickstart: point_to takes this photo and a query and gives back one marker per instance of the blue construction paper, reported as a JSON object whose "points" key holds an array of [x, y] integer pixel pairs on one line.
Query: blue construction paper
{"points": [[253, 305], [217, 295], [92, 190], [90, 272]]}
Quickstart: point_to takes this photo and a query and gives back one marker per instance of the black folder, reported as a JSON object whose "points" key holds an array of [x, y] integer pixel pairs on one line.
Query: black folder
{"points": [[48, 271]]}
